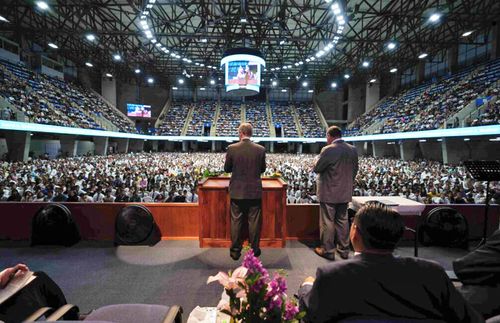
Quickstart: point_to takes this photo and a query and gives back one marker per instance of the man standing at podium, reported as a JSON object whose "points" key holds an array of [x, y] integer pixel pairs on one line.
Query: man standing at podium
{"points": [[336, 166], [246, 161]]}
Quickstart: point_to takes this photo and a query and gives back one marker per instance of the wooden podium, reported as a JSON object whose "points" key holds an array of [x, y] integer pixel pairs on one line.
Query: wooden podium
{"points": [[215, 216]]}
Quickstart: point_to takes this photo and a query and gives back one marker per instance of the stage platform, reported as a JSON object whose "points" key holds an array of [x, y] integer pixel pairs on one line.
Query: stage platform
{"points": [[93, 274]]}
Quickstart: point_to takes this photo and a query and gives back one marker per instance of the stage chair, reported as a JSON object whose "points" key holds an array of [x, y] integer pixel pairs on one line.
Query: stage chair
{"points": [[494, 319], [121, 313]]}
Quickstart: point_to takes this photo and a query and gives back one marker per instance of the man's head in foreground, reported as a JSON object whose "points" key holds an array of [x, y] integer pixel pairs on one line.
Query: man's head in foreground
{"points": [[376, 228]]}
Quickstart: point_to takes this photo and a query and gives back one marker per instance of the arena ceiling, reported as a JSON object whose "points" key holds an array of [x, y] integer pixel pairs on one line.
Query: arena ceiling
{"points": [[287, 32]]}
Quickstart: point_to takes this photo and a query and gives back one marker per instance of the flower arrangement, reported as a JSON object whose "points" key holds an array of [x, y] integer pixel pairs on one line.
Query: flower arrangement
{"points": [[256, 297]]}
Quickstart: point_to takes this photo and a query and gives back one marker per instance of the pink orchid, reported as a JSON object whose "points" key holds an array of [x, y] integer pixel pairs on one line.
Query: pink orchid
{"points": [[229, 282]]}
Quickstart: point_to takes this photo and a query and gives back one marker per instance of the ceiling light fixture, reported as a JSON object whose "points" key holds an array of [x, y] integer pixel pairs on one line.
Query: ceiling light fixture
{"points": [[423, 55], [435, 17], [109, 75], [467, 33], [89, 64], [393, 70], [42, 5], [334, 85], [391, 45], [117, 57], [52, 45], [151, 80]]}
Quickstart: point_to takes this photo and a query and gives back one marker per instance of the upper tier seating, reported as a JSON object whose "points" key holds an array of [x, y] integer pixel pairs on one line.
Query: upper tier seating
{"points": [[173, 121], [202, 113], [309, 121], [70, 105], [282, 116], [429, 106], [229, 119], [256, 114]]}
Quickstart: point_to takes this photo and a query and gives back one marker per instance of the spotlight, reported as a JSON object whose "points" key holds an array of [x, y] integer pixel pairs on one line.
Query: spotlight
{"points": [[89, 64], [393, 70], [347, 76], [435, 17], [90, 37], [336, 8], [212, 82], [42, 5], [109, 75], [366, 64], [334, 85], [151, 80], [305, 84], [373, 80], [137, 71], [423, 55], [52, 45], [181, 81], [467, 33], [274, 83], [391, 45], [117, 57]]}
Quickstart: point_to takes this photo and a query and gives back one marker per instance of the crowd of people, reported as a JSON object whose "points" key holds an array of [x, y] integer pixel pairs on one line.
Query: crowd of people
{"points": [[173, 177], [256, 114], [283, 118], [48, 100], [203, 114], [229, 119], [430, 105]]}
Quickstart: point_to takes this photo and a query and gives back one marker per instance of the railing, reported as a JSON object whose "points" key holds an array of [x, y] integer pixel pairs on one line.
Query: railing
{"points": [[320, 114], [112, 106], [293, 111], [272, 130], [213, 130], [188, 120], [163, 112]]}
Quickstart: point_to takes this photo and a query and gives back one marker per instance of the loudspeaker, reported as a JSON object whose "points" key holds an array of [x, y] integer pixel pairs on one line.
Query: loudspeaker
{"points": [[135, 225], [53, 225], [444, 226]]}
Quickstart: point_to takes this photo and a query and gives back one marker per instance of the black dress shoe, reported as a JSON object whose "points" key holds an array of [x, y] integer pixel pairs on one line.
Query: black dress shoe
{"points": [[322, 253], [235, 256], [344, 256], [257, 252]]}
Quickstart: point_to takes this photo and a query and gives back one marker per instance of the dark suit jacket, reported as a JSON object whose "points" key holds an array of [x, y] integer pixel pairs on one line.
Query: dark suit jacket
{"points": [[337, 167], [246, 161], [373, 286], [479, 271], [482, 266]]}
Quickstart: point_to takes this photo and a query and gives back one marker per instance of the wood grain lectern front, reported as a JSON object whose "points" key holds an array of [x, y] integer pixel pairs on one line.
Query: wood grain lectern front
{"points": [[215, 214]]}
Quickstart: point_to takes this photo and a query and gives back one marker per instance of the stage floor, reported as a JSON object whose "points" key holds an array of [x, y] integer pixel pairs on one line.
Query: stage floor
{"points": [[93, 274]]}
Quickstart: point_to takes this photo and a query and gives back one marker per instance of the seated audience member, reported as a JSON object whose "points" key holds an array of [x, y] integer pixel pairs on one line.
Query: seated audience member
{"points": [[479, 272], [377, 285], [41, 292]]}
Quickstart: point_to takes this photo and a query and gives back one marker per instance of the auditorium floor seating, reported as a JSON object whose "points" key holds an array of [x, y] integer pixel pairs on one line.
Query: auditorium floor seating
{"points": [[94, 274]]}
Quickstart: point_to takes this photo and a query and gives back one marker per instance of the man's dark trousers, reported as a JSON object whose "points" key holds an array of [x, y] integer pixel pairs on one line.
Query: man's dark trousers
{"points": [[241, 211], [334, 228]]}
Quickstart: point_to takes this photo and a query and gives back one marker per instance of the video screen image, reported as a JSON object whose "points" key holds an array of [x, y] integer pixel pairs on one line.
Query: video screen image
{"points": [[243, 73], [138, 110]]}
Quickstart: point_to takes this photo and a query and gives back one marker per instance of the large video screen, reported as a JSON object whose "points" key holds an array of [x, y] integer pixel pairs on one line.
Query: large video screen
{"points": [[242, 73], [138, 110]]}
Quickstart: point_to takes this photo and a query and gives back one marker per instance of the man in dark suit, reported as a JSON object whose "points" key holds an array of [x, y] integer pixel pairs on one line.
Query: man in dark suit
{"points": [[246, 161], [336, 166], [479, 272], [379, 286]]}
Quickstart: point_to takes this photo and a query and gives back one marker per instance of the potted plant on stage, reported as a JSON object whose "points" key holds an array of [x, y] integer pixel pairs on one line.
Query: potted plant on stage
{"points": [[254, 296]]}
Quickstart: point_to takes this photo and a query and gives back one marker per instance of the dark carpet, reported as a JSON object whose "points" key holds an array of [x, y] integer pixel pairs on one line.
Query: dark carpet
{"points": [[93, 274]]}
